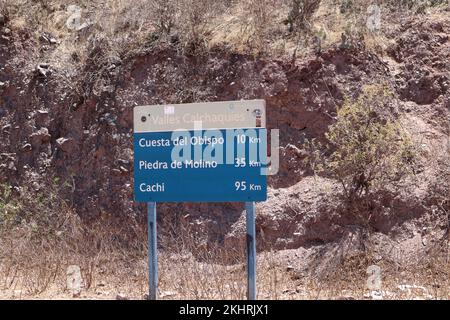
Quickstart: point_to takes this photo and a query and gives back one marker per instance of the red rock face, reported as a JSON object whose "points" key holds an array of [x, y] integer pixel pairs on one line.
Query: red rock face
{"points": [[78, 126], [424, 51]]}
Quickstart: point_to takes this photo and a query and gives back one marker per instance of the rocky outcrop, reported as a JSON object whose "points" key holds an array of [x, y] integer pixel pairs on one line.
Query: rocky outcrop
{"points": [[77, 125], [67, 145]]}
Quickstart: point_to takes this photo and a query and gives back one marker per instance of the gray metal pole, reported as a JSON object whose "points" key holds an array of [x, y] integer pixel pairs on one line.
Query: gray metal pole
{"points": [[152, 252], [251, 250]]}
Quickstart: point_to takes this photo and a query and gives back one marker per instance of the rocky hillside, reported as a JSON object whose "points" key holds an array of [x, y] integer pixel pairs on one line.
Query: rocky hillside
{"points": [[66, 101]]}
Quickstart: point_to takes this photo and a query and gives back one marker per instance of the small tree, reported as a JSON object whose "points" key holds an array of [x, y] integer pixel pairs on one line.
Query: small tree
{"points": [[164, 15], [194, 18], [300, 14], [367, 150]]}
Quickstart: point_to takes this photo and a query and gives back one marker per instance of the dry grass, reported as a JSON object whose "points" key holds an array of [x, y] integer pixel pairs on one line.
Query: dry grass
{"points": [[185, 277], [112, 255], [257, 27]]}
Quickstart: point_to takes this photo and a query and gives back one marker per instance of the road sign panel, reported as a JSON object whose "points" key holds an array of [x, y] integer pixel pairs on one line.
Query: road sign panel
{"points": [[203, 165]]}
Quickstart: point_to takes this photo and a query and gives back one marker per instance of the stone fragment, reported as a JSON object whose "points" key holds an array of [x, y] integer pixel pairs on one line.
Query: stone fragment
{"points": [[73, 280], [42, 118], [67, 145], [40, 137]]}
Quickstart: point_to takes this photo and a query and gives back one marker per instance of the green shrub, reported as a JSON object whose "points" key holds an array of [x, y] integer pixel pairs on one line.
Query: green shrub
{"points": [[367, 150], [9, 208]]}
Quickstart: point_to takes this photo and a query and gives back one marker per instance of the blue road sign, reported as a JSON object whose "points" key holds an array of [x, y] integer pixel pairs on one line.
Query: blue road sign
{"points": [[223, 165]]}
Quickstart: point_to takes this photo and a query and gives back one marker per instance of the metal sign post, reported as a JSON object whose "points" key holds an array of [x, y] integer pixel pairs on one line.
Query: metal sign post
{"points": [[201, 152], [152, 252], [251, 250]]}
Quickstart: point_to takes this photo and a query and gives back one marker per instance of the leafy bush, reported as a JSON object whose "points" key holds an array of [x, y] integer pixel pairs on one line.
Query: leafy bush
{"points": [[367, 150], [9, 208]]}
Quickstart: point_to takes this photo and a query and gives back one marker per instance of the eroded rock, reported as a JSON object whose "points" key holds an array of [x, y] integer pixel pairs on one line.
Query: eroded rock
{"points": [[40, 137], [43, 70], [74, 280], [67, 145], [42, 118]]}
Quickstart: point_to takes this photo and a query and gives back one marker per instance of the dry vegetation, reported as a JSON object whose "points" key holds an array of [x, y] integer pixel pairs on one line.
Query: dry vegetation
{"points": [[41, 235], [36, 253], [274, 27], [38, 248]]}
